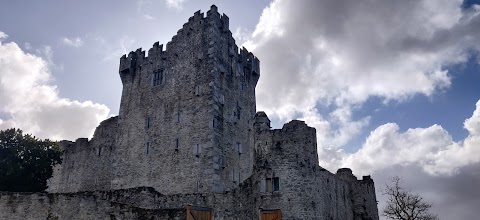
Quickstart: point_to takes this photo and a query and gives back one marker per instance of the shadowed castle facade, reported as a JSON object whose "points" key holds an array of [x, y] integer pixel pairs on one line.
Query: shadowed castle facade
{"points": [[188, 137]]}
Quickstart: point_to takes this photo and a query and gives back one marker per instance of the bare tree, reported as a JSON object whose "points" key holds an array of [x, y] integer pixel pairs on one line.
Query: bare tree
{"points": [[405, 205]]}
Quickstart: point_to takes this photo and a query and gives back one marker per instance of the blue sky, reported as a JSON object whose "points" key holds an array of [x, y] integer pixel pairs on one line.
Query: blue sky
{"points": [[390, 86]]}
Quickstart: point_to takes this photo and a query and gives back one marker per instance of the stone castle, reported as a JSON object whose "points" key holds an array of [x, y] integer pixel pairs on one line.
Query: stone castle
{"points": [[189, 144]]}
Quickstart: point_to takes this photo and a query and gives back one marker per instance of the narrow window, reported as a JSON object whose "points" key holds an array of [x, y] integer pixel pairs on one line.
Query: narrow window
{"points": [[269, 184], [276, 184], [178, 116], [263, 185], [176, 144], [148, 122], [197, 90], [157, 77], [197, 150], [233, 175], [99, 151], [221, 162], [238, 111], [147, 147], [239, 148]]}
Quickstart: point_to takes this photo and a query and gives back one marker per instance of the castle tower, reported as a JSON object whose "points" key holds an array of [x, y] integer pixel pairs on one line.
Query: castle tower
{"points": [[187, 112]]}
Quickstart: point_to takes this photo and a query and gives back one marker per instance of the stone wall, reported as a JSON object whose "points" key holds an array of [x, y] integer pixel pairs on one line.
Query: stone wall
{"points": [[136, 203], [306, 191], [87, 165], [86, 206]]}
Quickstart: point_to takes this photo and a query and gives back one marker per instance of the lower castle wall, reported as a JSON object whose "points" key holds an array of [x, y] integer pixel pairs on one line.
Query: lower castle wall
{"points": [[45, 206], [135, 203]]}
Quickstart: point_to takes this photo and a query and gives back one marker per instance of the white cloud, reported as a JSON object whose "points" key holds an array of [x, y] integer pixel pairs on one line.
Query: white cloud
{"points": [[27, 46], [33, 104], [336, 55], [3, 36], [443, 171], [342, 53], [148, 17], [473, 124], [73, 42], [176, 4], [241, 35], [431, 149]]}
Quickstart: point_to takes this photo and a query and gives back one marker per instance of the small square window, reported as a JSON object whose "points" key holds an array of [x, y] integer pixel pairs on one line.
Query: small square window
{"points": [[272, 184]]}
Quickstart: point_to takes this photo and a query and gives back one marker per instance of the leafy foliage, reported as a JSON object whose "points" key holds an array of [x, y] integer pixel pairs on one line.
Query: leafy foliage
{"points": [[405, 205], [25, 161]]}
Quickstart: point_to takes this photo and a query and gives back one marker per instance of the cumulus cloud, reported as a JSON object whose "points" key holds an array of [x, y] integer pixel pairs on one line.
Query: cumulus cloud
{"points": [[28, 100], [241, 35], [27, 46], [73, 42], [339, 54], [431, 149], [3, 35]]}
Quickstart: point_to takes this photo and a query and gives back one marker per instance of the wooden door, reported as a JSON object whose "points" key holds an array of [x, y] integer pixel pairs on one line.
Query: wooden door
{"points": [[270, 214], [199, 213]]}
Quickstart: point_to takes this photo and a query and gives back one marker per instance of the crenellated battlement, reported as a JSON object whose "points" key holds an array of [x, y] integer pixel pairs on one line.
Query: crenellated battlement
{"points": [[199, 29]]}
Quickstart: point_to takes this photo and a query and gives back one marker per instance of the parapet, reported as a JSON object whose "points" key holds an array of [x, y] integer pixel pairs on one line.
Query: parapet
{"points": [[296, 125], [346, 174], [367, 180], [262, 122], [214, 25], [345, 171], [250, 61], [107, 128], [128, 66]]}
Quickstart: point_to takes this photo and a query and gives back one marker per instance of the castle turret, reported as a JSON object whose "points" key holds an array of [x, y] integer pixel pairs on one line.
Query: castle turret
{"points": [[262, 122]]}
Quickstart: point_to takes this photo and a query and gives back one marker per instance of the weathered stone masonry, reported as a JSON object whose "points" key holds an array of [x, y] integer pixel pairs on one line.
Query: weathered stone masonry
{"points": [[188, 134]]}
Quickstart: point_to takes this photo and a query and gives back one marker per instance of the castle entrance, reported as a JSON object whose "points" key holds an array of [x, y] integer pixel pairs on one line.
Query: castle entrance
{"points": [[199, 213], [270, 214]]}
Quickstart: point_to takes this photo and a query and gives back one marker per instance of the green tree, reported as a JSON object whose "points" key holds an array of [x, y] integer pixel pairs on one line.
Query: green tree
{"points": [[405, 205], [25, 161]]}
